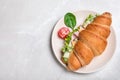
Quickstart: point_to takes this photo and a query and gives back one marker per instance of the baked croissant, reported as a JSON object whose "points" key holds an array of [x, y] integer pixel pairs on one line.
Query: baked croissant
{"points": [[92, 42]]}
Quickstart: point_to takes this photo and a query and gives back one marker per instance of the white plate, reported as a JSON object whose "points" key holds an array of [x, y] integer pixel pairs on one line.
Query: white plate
{"points": [[98, 62]]}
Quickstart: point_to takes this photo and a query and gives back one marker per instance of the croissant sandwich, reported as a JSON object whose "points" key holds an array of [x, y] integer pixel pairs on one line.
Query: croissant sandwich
{"points": [[91, 42]]}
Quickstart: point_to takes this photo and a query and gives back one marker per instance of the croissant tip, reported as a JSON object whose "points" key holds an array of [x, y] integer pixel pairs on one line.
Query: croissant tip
{"points": [[107, 14]]}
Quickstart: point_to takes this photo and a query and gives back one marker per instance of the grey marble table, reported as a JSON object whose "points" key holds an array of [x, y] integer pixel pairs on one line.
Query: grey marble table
{"points": [[25, 31]]}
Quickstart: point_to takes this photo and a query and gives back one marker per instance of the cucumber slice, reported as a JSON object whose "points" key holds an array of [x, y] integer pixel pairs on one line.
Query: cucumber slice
{"points": [[66, 56]]}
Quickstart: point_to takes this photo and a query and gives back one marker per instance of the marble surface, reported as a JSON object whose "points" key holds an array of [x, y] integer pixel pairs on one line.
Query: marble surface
{"points": [[25, 31]]}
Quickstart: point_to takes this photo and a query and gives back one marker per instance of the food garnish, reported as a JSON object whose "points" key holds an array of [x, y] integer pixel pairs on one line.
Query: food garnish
{"points": [[88, 20]]}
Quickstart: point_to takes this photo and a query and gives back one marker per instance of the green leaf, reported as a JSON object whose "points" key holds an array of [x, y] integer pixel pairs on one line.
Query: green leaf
{"points": [[70, 20]]}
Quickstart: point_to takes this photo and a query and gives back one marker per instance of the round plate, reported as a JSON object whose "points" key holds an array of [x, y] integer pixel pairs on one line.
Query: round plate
{"points": [[98, 62]]}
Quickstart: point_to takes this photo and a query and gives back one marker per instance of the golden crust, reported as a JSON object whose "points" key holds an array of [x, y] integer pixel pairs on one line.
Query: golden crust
{"points": [[84, 52], [73, 62], [94, 40], [101, 30], [104, 19]]}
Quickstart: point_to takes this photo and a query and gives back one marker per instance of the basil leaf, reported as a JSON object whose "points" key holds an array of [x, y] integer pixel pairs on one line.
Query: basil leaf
{"points": [[70, 20]]}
